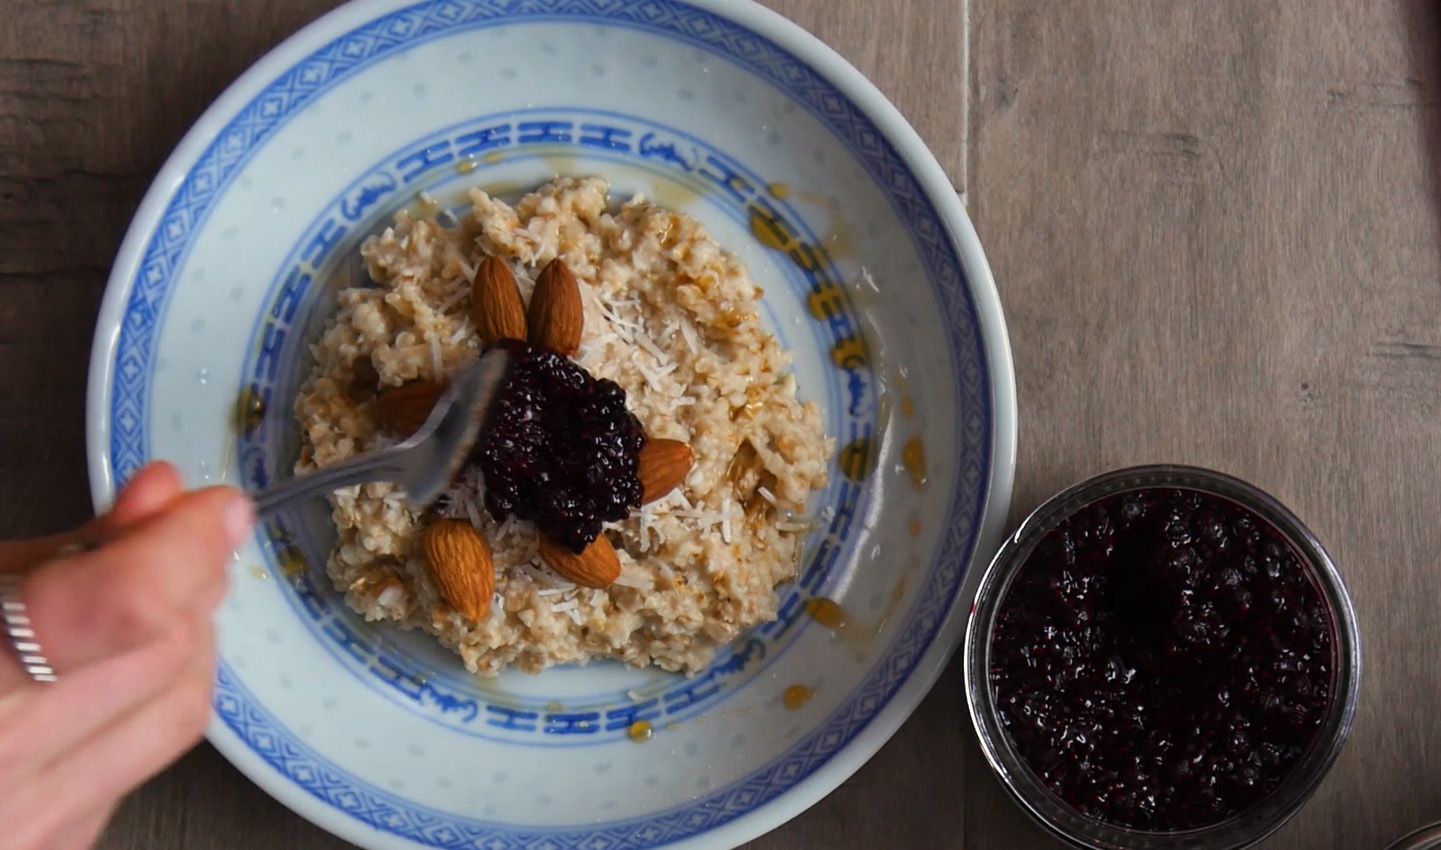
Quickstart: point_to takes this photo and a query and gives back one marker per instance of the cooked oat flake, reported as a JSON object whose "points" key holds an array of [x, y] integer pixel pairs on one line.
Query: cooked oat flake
{"points": [[669, 316]]}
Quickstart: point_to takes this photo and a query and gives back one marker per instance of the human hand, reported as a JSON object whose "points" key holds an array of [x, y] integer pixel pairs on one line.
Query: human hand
{"points": [[127, 628]]}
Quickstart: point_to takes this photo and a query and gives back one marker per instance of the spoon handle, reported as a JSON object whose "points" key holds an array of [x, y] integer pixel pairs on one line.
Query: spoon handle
{"points": [[384, 465]]}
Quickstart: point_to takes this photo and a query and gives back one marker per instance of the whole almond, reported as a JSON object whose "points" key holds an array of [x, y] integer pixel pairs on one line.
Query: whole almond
{"points": [[661, 467], [461, 565], [402, 410], [597, 566], [495, 303], [556, 318]]}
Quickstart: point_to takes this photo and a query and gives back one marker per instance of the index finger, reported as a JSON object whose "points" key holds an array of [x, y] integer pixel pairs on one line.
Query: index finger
{"points": [[149, 491], [103, 602]]}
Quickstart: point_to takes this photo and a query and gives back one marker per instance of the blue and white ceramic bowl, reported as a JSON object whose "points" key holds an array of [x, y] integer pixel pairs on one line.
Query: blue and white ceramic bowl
{"points": [[873, 278]]}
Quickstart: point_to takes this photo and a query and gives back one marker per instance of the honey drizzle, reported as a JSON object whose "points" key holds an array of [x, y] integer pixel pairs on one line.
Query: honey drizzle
{"points": [[913, 457], [827, 612], [856, 459], [796, 696]]}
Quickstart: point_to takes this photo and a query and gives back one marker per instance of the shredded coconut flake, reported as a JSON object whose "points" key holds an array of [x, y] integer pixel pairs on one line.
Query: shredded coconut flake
{"points": [[454, 298], [654, 377], [636, 581], [544, 578], [687, 333], [644, 340], [644, 528], [436, 359]]}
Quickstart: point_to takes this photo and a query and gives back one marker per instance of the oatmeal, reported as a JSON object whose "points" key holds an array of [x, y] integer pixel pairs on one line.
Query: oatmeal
{"points": [[668, 316]]}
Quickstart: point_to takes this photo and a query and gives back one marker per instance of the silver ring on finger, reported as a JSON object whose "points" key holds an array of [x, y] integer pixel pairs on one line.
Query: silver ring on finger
{"points": [[15, 621]]}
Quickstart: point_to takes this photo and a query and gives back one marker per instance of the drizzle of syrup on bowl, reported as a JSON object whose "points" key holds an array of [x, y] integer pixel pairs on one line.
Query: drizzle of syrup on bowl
{"points": [[913, 457], [247, 412], [857, 459], [796, 696], [827, 612]]}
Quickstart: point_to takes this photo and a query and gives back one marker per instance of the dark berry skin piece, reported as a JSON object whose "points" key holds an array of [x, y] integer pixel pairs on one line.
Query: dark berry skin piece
{"points": [[1162, 659], [560, 448]]}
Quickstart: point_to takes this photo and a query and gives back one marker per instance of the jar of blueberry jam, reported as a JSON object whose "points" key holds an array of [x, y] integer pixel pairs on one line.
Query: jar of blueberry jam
{"points": [[1162, 657]]}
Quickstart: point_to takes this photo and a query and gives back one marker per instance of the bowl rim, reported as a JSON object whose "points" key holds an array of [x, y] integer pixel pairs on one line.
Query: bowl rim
{"points": [[1241, 829], [994, 342]]}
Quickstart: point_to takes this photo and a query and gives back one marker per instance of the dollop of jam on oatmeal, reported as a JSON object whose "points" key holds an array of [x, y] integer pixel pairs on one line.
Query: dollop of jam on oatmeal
{"points": [[1163, 659], [560, 448]]}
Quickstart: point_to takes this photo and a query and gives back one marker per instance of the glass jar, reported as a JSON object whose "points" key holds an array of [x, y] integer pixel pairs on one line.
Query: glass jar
{"points": [[1425, 838], [1241, 829]]}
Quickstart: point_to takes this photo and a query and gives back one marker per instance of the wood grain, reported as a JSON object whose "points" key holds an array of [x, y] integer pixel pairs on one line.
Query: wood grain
{"points": [[915, 53], [1215, 231], [1215, 228]]}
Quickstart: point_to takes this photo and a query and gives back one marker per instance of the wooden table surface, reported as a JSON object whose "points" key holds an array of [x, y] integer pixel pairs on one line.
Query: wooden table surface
{"points": [[1216, 228]]}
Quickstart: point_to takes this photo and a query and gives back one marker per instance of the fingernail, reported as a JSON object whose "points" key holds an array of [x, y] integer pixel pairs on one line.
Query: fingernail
{"points": [[238, 520]]}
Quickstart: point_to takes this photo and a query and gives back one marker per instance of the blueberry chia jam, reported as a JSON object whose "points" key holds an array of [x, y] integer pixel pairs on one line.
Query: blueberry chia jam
{"points": [[561, 448], [1162, 659]]}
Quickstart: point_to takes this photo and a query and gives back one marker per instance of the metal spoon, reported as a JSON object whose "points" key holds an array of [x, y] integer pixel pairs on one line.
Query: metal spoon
{"points": [[427, 461]]}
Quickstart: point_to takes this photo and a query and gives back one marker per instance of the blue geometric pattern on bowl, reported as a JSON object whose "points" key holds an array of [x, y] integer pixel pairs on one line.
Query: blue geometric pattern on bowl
{"points": [[326, 250], [191, 203]]}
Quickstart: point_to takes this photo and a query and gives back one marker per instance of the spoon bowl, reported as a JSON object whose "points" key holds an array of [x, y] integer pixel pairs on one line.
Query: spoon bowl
{"points": [[426, 461]]}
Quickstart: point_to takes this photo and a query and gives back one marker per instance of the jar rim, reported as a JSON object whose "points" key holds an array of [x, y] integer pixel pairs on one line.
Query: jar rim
{"points": [[1426, 838], [1241, 829]]}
